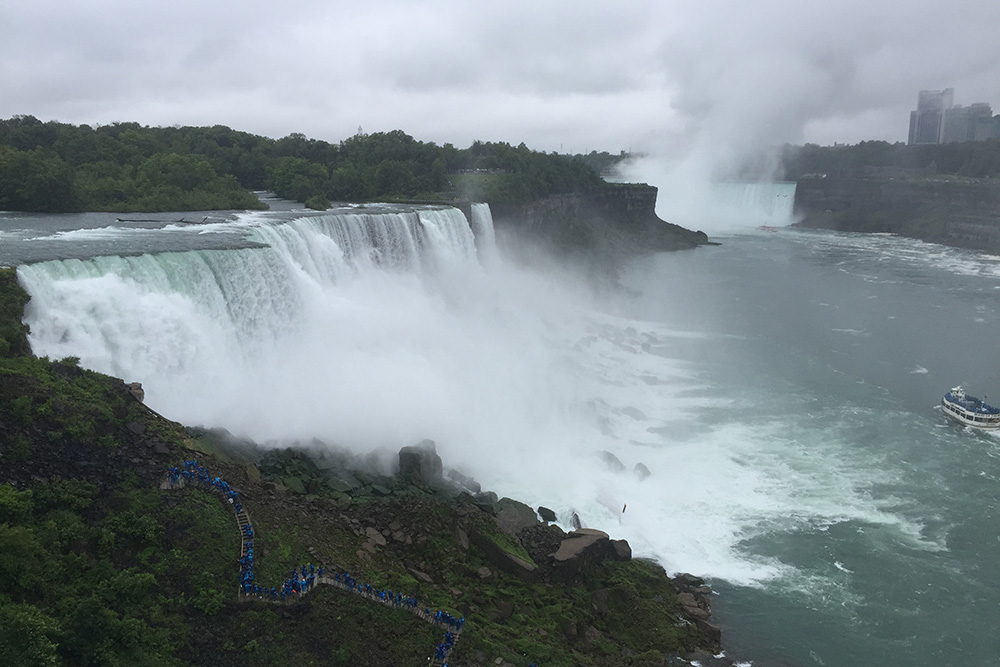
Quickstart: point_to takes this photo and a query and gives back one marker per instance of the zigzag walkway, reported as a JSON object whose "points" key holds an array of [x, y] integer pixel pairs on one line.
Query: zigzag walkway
{"points": [[305, 579]]}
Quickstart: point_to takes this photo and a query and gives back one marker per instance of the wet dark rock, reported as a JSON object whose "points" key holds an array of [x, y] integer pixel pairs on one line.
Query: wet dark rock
{"points": [[546, 514], [623, 550], [420, 464], [694, 598]]}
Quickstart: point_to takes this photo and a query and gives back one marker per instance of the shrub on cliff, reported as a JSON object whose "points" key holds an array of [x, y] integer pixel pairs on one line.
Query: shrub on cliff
{"points": [[13, 333]]}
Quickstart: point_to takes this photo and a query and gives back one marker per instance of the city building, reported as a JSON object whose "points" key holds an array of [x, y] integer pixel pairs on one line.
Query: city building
{"points": [[938, 120]]}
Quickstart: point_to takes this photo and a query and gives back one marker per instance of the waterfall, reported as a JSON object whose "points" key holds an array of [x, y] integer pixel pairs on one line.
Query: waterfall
{"points": [[218, 318], [376, 329], [482, 227], [760, 203], [724, 208]]}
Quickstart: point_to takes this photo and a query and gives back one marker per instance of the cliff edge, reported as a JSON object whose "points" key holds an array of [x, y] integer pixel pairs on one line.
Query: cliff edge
{"points": [[618, 222], [950, 210]]}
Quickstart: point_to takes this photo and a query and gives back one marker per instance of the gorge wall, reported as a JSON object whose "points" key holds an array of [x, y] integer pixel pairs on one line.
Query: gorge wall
{"points": [[963, 213], [620, 221]]}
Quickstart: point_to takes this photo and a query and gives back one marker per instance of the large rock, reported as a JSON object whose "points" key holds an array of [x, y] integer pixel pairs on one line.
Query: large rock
{"points": [[502, 558], [514, 516], [488, 502], [580, 542], [584, 547], [546, 514], [420, 464], [135, 388], [623, 550]]}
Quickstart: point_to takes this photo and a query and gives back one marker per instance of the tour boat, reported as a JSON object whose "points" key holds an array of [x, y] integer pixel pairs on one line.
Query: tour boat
{"points": [[969, 410]]}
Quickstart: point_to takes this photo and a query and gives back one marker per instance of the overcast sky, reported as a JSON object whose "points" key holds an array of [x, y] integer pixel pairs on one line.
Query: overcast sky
{"points": [[662, 76]]}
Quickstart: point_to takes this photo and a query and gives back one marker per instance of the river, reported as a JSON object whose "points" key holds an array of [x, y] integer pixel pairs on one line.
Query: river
{"points": [[781, 387]]}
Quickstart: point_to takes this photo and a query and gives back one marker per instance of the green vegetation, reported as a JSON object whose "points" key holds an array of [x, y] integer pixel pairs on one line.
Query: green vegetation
{"points": [[976, 159], [13, 333], [55, 167]]}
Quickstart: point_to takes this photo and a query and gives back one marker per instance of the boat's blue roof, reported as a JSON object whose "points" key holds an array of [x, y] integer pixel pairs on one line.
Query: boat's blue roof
{"points": [[972, 404]]}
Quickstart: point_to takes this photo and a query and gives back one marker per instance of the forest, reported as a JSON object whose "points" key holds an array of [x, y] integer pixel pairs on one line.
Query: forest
{"points": [[973, 159], [57, 167]]}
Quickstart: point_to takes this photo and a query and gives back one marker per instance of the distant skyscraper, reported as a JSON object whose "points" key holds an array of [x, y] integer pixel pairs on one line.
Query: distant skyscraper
{"points": [[972, 123], [927, 122], [937, 120]]}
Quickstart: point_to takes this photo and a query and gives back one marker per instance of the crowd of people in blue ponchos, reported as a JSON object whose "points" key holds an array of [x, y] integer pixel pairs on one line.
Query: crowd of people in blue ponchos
{"points": [[396, 599], [305, 578]]}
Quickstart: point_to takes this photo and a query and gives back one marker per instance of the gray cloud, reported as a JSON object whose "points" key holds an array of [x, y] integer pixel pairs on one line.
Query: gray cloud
{"points": [[713, 78]]}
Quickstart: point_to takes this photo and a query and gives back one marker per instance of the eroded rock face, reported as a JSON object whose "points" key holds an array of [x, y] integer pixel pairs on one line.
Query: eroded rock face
{"points": [[420, 464], [693, 595]]}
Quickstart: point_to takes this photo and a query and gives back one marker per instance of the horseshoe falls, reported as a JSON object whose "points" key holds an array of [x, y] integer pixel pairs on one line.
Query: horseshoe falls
{"points": [[780, 387]]}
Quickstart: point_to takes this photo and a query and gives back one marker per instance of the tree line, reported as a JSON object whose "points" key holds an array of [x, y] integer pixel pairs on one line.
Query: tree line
{"points": [[58, 167], [974, 159]]}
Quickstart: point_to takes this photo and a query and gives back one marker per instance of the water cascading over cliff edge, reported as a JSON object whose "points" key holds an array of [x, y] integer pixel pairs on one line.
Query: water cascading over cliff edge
{"points": [[374, 330]]}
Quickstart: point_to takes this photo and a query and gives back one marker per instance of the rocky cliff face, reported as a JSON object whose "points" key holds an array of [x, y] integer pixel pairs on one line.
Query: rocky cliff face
{"points": [[621, 220], [962, 213]]}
